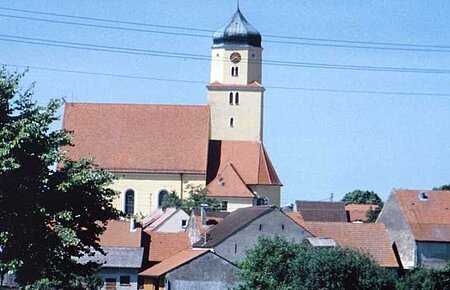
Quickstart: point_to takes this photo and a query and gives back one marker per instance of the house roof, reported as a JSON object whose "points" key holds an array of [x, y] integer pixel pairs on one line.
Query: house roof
{"points": [[158, 217], [320, 211], [139, 138], [228, 183], [234, 222], [164, 245], [173, 262], [117, 257], [248, 158], [358, 212], [296, 216], [428, 219], [118, 235], [321, 242], [370, 237]]}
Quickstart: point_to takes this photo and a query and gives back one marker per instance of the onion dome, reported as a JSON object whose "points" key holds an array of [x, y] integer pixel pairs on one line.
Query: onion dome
{"points": [[237, 32]]}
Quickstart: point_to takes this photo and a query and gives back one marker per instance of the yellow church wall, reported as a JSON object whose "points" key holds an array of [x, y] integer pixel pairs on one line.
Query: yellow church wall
{"points": [[272, 192], [147, 186], [236, 203], [247, 116], [249, 67]]}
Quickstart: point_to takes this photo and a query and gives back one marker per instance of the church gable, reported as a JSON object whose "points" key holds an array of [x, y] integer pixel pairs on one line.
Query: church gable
{"points": [[249, 159], [228, 183], [140, 138]]}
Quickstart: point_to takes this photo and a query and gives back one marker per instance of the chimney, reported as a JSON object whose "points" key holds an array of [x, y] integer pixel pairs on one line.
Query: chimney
{"points": [[423, 196], [203, 208], [132, 224]]}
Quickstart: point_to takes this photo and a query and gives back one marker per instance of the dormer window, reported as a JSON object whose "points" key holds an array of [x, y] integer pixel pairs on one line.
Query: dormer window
{"points": [[234, 71]]}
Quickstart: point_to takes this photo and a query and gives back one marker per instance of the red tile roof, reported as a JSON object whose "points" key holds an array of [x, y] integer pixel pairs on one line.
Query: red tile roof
{"points": [[140, 138], [228, 183], [370, 237], [248, 158], [164, 245], [118, 235], [172, 262], [428, 219], [358, 212]]}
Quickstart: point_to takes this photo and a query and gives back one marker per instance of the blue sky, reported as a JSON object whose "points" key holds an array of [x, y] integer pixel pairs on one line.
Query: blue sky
{"points": [[320, 142]]}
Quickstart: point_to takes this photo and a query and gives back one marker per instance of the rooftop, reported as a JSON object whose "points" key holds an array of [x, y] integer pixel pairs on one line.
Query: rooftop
{"points": [[119, 235], [322, 211], [139, 138], [164, 245]]}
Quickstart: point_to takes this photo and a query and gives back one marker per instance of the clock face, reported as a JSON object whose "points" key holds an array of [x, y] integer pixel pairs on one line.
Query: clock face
{"points": [[235, 57]]}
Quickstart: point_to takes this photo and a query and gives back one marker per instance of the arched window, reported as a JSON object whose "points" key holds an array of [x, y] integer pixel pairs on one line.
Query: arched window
{"points": [[231, 99], [129, 202], [236, 98], [162, 198], [231, 122]]}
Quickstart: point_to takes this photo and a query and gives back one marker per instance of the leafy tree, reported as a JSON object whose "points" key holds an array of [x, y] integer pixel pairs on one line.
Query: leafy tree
{"points": [[443, 187], [47, 216], [425, 279], [362, 197], [197, 195], [279, 264]]}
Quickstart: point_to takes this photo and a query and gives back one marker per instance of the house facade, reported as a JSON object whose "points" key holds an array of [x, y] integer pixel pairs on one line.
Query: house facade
{"points": [[418, 222], [240, 230]]}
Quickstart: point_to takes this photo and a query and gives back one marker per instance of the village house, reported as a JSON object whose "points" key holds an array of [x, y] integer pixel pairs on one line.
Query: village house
{"points": [[418, 221], [122, 243], [240, 230], [157, 149], [167, 220], [192, 269]]}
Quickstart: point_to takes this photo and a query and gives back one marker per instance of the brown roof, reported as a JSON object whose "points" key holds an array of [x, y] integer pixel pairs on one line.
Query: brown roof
{"points": [[118, 235], [296, 217], [370, 237], [164, 245], [173, 262], [140, 138], [228, 183], [322, 211], [248, 158], [429, 219], [233, 223], [358, 212]]}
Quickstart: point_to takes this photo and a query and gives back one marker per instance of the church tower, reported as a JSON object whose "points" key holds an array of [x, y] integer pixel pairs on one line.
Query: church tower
{"points": [[235, 94]]}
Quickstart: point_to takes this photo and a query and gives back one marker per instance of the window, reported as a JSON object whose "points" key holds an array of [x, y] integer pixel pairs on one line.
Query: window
{"points": [[235, 248], [236, 98], [224, 205], [162, 198], [110, 284], [124, 280], [262, 201], [129, 202], [183, 223], [260, 227], [282, 227], [231, 122], [233, 99], [234, 71], [230, 101]]}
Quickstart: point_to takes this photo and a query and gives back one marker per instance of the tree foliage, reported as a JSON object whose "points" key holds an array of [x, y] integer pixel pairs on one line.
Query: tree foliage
{"points": [[279, 264], [197, 196], [47, 216], [443, 187], [425, 279], [362, 197]]}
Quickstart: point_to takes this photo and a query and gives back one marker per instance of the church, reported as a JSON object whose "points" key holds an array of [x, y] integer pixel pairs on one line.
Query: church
{"points": [[157, 149]]}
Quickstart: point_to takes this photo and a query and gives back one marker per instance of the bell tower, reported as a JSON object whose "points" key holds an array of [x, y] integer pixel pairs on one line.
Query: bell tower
{"points": [[235, 93]]}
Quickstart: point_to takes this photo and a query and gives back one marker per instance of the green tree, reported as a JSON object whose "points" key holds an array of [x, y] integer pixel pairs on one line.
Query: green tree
{"points": [[443, 187], [198, 195], [48, 216], [425, 279], [365, 197], [279, 264], [362, 197]]}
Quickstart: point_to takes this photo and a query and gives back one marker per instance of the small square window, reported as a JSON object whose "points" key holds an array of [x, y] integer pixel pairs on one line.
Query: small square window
{"points": [[183, 223], [125, 280]]}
